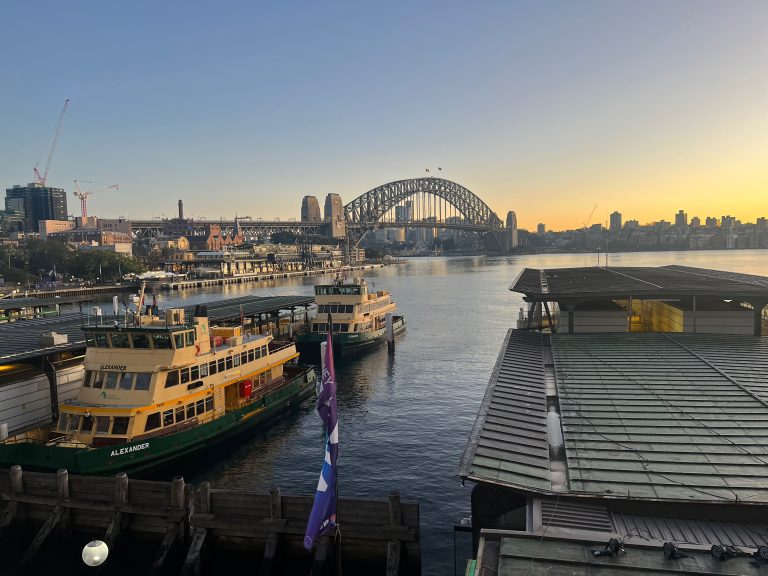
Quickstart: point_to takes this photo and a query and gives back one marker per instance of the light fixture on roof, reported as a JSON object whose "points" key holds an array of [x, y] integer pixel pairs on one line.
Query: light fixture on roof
{"points": [[722, 553], [672, 552], [613, 547]]}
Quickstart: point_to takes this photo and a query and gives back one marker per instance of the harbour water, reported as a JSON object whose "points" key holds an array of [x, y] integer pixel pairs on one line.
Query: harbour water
{"points": [[405, 419]]}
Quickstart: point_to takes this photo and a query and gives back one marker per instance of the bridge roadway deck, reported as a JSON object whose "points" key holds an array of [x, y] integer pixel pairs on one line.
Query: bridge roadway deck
{"points": [[20, 340]]}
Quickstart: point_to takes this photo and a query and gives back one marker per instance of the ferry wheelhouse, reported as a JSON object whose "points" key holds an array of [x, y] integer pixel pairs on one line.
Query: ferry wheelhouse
{"points": [[159, 387], [358, 316]]}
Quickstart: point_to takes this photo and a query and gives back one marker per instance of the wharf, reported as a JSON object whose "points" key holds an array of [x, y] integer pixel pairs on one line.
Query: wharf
{"points": [[77, 292], [260, 277], [157, 527]]}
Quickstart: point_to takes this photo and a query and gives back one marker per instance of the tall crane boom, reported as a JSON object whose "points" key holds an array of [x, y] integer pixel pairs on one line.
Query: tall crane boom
{"points": [[52, 141], [589, 218], [83, 195]]}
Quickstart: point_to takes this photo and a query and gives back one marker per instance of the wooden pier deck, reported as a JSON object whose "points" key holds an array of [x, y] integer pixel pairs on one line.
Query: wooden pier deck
{"points": [[176, 528]]}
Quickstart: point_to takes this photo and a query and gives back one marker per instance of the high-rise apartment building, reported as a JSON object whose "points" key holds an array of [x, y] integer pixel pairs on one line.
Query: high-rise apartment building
{"points": [[310, 209], [334, 216], [695, 222], [511, 220], [36, 202], [615, 224], [711, 222], [681, 219], [541, 229]]}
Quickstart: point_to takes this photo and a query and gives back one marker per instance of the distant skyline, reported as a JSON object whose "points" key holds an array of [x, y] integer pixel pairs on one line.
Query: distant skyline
{"points": [[544, 108]]}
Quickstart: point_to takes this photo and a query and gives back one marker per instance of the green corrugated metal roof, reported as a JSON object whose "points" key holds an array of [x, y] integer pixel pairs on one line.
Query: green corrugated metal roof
{"points": [[509, 441], [644, 416], [648, 416]]}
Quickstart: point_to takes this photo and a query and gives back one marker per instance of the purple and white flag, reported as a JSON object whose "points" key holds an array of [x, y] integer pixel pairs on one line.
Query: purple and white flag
{"points": [[322, 519]]}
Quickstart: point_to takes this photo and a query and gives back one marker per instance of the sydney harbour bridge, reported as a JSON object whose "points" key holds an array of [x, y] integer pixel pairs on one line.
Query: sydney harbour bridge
{"points": [[432, 203]]}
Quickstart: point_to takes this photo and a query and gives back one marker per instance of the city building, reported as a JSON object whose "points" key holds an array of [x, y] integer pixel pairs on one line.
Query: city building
{"points": [[310, 209], [511, 220], [695, 222], [541, 229], [334, 216], [681, 219], [512, 239], [615, 224], [35, 202]]}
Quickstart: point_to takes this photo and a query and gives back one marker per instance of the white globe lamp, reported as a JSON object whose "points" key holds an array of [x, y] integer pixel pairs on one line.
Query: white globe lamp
{"points": [[95, 553]]}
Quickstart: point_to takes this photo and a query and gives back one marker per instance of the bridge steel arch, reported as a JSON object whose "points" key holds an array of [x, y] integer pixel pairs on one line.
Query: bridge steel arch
{"points": [[368, 209]]}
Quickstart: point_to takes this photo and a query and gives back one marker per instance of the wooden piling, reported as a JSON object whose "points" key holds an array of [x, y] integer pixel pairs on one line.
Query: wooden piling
{"points": [[394, 547], [270, 548], [62, 481]]}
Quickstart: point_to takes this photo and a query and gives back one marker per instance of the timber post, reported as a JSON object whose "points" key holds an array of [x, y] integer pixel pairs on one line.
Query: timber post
{"points": [[121, 498], [275, 513], [394, 546], [17, 488], [62, 481]]}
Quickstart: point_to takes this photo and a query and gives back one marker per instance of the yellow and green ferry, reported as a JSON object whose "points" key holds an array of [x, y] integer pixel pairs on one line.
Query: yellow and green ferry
{"points": [[159, 387], [358, 316]]}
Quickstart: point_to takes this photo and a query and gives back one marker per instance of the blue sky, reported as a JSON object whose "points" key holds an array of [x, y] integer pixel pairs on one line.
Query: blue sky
{"points": [[546, 108]]}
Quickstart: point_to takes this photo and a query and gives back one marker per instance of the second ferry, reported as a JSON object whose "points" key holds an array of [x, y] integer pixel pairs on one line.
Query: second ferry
{"points": [[158, 387], [357, 314]]}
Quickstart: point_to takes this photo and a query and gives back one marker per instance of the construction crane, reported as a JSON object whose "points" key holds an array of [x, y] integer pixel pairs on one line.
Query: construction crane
{"points": [[52, 142], [83, 194], [589, 218]]}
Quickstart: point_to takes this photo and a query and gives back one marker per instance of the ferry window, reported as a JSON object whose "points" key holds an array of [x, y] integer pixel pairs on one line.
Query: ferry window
{"points": [[180, 414], [236, 359], [162, 341], [142, 381], [153, 421], [257, 353], [190, 338], [167, 417], [191, 410], [200, 406], [98, 379], [101, 341], [102, 424], [87, 378], [244, 358], [212, 367], [74, 423], [63, 422], [349, 308], [221, 364], [229, 362], [178, 340], [140, 340], [251, 355], [89, 339], [209, 403], [120, 425], [126, 381], [184, 375], [321, 309], [87, 424], [194, 373], [110, 380], [172, 379], [120, 340], [322, 327], [203, 370]]}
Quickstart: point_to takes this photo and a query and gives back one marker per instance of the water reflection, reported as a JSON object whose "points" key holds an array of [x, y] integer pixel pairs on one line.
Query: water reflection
{"points": [[404, 420]]}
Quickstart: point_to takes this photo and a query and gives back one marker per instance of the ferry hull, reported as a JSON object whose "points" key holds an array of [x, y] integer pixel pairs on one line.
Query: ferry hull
{"points": [[346, 343], [143, 456]]}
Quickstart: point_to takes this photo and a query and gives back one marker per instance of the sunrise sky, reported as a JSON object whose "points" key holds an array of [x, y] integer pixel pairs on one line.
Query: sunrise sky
{"points": [[545, 108]]}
